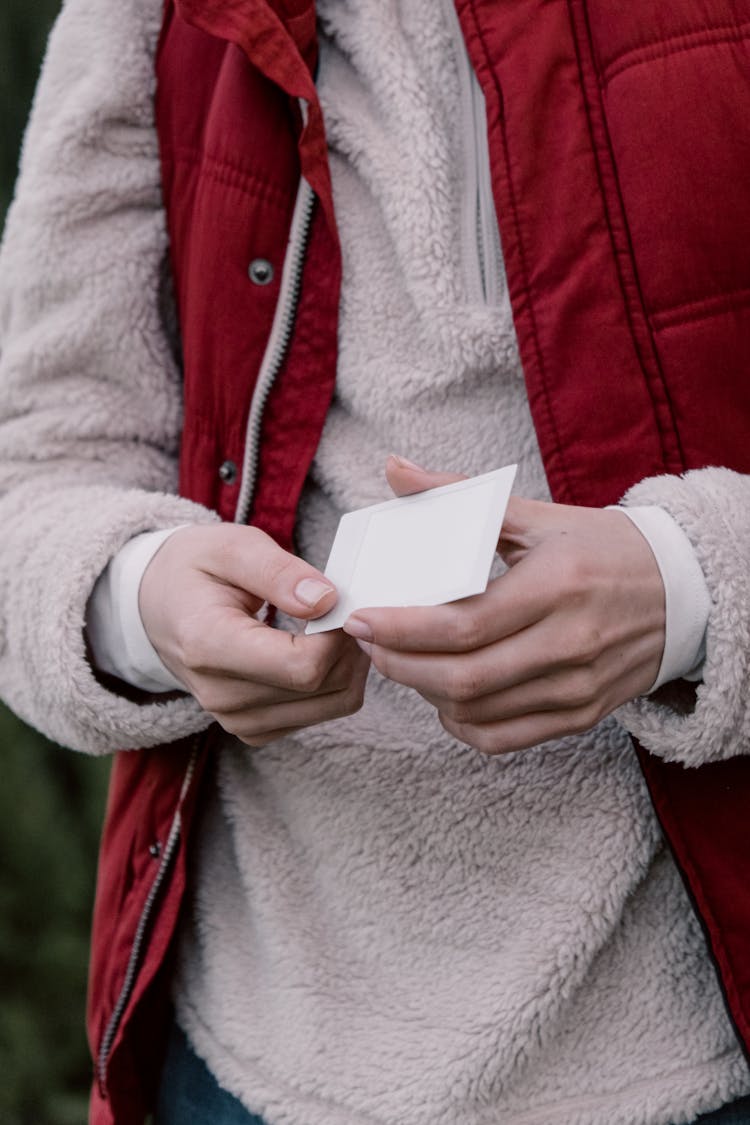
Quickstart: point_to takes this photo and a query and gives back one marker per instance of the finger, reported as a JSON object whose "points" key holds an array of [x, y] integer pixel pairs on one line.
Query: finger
{"points": [[539, 652], [596, 686], [237, 645], [257, 726], [512, 602], [525, 731], [406, 478], [448, 676], [568, 690], [227, 695], [249, 559]]}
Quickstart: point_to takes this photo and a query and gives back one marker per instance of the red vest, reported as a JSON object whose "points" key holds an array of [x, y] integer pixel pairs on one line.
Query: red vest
{"points": [[619, 148]]}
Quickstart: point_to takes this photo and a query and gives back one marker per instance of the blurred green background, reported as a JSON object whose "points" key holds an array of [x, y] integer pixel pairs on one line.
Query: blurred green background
{"points": [[51, 799]]}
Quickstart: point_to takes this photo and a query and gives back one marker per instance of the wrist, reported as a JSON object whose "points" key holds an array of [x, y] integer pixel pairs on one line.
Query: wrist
{"points": [[119, 642]]}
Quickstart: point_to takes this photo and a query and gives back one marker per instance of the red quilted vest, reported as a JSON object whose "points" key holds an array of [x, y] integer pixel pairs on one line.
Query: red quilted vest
{"points": [[619, 147]]}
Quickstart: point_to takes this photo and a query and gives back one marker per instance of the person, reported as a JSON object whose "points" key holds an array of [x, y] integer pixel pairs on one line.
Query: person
{"points": [[408, 871]]}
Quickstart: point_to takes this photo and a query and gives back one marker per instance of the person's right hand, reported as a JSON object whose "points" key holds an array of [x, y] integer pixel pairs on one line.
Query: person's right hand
{"points": [[197, 599]]}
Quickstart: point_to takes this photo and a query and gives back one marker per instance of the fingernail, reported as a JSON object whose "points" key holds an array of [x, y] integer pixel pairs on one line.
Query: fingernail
{"points": [[358, 629], [310, 591], [365, 646], [406, 464]]}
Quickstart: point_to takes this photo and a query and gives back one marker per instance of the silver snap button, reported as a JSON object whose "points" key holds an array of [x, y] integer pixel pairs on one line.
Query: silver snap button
{"points": [[228, 472], [155, 849], [260, 271]]}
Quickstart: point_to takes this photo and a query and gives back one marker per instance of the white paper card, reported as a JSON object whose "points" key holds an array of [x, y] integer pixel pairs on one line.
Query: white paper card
{"points": [[425, 549]]}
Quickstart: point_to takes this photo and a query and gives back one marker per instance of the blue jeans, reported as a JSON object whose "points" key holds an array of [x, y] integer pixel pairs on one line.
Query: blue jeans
{"points": [[736, 1113], [190, 1095]]}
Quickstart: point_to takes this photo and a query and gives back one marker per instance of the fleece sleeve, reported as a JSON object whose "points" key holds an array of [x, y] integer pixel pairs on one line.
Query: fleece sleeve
{"points": [[710, 721], [90, 391]]}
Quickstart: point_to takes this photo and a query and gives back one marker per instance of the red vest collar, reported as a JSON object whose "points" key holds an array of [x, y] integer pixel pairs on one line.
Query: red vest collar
{"points": [[280, 40]]}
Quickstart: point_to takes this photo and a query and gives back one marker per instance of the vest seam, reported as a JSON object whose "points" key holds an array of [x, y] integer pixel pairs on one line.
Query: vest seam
{"points": [[534, 332], [674, 45], [702, 308], [602, 151], [224, 171]]}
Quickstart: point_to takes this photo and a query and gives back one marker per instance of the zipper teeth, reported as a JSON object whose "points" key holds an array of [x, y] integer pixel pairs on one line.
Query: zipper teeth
{"points": [[488, 236], [479, 235], [470, 199], [278, 342], [170, 850], [480, 248]]}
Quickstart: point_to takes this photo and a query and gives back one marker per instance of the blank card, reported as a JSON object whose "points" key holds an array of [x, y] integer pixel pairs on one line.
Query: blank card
{"points": [[425, 549]]}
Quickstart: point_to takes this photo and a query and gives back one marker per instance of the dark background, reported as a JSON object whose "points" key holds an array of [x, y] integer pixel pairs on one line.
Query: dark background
{"points": [[51, 799]]}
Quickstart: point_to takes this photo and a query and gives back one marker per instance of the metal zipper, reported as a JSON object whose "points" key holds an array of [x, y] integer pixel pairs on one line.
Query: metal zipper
{"points": [[480, 235], [275, 353], [168, 854], [278, 343], [488, 232]]}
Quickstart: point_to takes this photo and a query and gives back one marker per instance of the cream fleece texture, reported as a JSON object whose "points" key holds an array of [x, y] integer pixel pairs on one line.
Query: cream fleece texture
{"points": [[426, 935]]}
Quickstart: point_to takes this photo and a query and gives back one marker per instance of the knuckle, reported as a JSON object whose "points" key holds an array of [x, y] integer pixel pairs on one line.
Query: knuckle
{"points": [[223, 552], [341, 676], [307, 673], [465, 626], [380, 660], [587, 717], [584, 643], [449, 724], [278, 566], [209, 700], [463, 684], [463, 732], [394, 636], [255, 733], [241, 727], [462, 712], [256, 741], [485, 741], [191, 644], [230, 543], [353, 699], [582, 688], [571, 569]]}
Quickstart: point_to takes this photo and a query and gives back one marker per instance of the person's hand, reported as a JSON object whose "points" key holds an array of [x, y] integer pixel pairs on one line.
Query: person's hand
{"points": [[573, 629], [197, 599]]}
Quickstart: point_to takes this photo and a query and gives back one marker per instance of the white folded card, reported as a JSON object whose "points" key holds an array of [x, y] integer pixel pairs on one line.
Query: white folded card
{"points": [[425, 549]]}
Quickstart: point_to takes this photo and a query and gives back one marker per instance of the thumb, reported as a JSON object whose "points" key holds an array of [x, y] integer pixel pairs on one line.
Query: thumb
{"points": [[405, 477], [251, 560], [528, 522]]}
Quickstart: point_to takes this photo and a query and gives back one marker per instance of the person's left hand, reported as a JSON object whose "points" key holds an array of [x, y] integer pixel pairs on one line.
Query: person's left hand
{"points": [[573, 629]]}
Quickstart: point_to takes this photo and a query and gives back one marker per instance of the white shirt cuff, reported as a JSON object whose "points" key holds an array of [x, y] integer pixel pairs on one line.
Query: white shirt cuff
{"points": [[688, 602], [119, 643]]}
